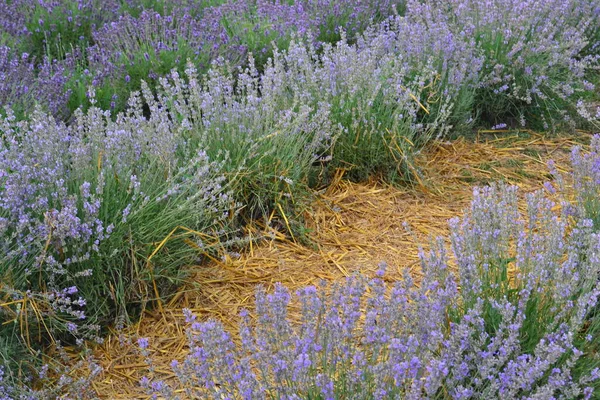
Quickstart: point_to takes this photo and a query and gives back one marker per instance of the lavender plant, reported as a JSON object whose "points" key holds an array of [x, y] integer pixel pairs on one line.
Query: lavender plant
{"points": [[196, 8], [149, 45], [386, 100], [544, 268], [54, 28], [585, 178], [453, 59], [260, 25], [12, 23], [89, 215], [16, 383], [23, 84], [590, 8], [536, 55], [130, 50], [331, 18], [266, 136]]}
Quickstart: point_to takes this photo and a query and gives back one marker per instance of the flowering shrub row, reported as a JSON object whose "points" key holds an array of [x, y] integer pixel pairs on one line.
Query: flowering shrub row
{"points": [[84, 208], [118, 43], [536, 60], [538, 57], [22, 83]]}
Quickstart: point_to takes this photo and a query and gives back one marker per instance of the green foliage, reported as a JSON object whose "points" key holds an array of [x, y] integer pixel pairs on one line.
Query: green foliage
{"points": [[165, 7], [59, 29]]}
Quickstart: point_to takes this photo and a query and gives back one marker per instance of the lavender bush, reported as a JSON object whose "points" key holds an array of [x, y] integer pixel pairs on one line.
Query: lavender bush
{"points": [[590, 8], [522, 325], [130, 50], [83, 209], [102, 214], [346, 106], [195, 8], [114, 45], [53, 28], [12, 23], [536, 55], [387, 94], [266, 136], [257, 25], [23, 84], [15, 383], [384, 103], [128, 182], [331, 18], [533, 61]]}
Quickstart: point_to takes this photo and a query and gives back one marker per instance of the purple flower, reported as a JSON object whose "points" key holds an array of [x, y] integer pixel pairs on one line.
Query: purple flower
{"points": [[143, 343]]}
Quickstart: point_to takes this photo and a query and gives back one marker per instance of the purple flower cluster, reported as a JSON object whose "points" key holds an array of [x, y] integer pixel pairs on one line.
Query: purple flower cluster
{"points": [[115, 44], [71, 196], [23, 83], [536, 55], [149, 45], [585, 180], [150, 38], [12, 22], [49, 20]]}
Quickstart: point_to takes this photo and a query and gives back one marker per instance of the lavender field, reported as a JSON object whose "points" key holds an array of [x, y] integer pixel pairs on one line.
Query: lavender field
{"points": [[141, 139]]}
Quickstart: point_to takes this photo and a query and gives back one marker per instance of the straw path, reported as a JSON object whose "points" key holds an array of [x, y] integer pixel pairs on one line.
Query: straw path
{"points": [[353, 228]]}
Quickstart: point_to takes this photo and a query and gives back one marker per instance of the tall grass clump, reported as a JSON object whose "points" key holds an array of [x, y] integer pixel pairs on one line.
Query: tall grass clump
{"points": [[513, 315], [536, 56]]}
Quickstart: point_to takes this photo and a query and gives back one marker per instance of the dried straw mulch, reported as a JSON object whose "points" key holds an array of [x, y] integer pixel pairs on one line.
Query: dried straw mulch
{"points": [[353, 228]]}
